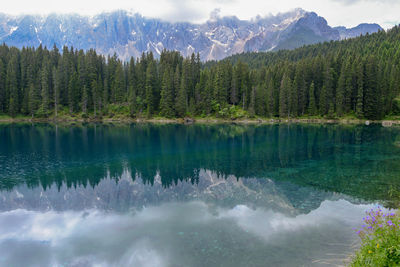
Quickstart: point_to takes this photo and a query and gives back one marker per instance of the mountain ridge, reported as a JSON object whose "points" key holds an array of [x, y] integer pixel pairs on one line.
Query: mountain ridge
{"points": [[130, 34]]}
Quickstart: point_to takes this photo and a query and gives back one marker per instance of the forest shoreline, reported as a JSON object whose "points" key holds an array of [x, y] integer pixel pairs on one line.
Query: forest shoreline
{"points": [[211, 120]]}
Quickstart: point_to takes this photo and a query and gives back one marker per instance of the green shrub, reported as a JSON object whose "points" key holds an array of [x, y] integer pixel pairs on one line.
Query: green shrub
{"points": [[396, 106], [380, 237], [237, 113]]}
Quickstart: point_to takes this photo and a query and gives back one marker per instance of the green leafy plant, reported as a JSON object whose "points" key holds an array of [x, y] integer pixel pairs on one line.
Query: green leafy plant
{"points": [[380, 237]]}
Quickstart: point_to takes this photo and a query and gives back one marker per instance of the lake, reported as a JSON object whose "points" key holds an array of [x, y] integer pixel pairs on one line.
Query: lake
{"points": [[191, 195]]}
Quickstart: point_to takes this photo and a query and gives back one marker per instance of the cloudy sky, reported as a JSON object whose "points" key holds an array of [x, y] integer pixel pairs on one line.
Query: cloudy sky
{"points": [[337, 12]]}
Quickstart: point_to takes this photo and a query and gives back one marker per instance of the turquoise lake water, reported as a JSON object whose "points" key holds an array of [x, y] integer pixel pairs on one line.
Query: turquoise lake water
{"points": [[191, 195]]}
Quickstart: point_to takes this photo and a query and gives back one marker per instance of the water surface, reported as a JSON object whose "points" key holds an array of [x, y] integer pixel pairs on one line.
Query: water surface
{"points": [[197, 195]]}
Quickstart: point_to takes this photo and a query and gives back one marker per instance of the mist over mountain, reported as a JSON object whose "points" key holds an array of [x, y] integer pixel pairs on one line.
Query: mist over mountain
{"points": [[128, 34]]}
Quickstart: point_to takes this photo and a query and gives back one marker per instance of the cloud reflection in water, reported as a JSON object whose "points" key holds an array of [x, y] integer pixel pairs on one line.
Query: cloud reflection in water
{"points": [[175, 234]]}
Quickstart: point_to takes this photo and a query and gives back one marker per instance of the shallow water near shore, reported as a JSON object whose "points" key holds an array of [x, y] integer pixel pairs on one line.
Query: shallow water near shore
{"points": [[190, 195]]}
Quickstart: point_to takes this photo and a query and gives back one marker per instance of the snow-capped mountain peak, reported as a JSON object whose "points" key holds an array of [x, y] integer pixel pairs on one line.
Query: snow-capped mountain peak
{"points": [[129, 34]]}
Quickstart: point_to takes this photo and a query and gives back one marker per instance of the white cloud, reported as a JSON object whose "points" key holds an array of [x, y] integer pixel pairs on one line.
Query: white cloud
{"points": [[171, 234], [337, 12], [267, 224]]}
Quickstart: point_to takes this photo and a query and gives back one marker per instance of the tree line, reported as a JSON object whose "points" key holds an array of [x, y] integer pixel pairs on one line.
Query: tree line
{"points": [[359, 77]]}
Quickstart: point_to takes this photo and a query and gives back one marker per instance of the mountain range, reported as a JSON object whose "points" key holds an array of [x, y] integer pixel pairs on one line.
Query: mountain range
{"points": [[130, 34]]}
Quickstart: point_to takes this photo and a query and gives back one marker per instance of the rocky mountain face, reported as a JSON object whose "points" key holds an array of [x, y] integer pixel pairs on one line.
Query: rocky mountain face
{"points": [[128, 34], [357, 31]]}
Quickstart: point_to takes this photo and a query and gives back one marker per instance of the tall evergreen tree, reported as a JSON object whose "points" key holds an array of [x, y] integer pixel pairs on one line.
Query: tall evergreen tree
{"points": [[206, 94], [299, 93], [118, 88], [34, 99], [234, 99], [84, 100], [372, 104], [341, 92], [286, 87], [312, 107], [151, 75], [12, 85], [167, 97], [56, 83], [181, 102], [323, 101], [45, 86], [132, 102], [220, 92], [95, 95], [3, 99], [270, 95], [73, 93], [360, 90]]}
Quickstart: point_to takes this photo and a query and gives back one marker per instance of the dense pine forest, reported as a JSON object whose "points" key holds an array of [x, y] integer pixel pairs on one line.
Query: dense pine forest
{"points": [[357, 77]]}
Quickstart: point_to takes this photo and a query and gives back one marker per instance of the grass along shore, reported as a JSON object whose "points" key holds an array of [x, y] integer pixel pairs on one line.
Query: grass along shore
{"points": [[234, 114], [388, 121]]}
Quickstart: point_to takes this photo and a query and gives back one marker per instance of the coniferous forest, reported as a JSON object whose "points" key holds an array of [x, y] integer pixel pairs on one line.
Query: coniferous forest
{"points": [[357, 77]]}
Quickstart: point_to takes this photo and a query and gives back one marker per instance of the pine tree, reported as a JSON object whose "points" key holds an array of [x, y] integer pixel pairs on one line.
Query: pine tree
{"points": [[132, 87], [327, 95], [34, 99], [271, 95], [235, 87], [293, 102], [340, 92], [360, 91], [2, 87], [84, 101], [323, 101], [118, 88], [63, 80], [372, 95], [177, 80], [82, 76], [73, 93], [181, 102], [312, 107], [24, 82], [25, 101], [299, 91], [394, 86], [151, 75], [45, 88], [284, 96], [105, 96], [220, 93], [206, 93], [132, 102], [95, 92], [252, 102], [200, 86], [167, 97], [56, 83], [348, 96], [12, 85], [331, 110], [260, 100], [132, 79]]}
